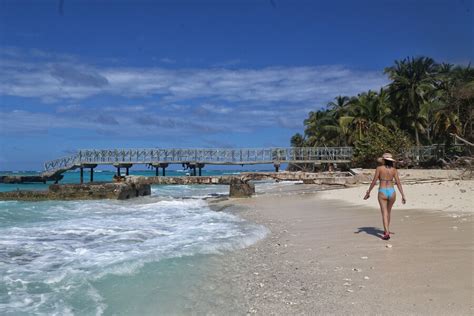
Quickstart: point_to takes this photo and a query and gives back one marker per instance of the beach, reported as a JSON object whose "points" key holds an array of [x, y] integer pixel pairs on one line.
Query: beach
{"points": [[291, 249], [324, 254]]}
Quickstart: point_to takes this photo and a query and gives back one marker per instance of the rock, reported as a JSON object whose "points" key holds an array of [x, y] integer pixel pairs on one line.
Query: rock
{"points": [[240, 189], [388, 245], [86, 191]]}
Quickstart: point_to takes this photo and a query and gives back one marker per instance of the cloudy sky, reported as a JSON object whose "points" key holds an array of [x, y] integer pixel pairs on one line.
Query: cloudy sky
{"points": [[107, 74]]}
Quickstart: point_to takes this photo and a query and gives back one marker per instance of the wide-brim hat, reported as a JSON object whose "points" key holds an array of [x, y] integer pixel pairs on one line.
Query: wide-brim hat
{"points": [[388, 156]]}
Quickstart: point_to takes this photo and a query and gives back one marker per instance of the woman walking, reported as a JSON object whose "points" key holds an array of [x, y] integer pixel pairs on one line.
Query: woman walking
{"points": [[386, 174]]}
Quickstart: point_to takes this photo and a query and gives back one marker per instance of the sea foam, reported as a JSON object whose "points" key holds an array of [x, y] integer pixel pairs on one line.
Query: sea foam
{"points": [[52, 254]]}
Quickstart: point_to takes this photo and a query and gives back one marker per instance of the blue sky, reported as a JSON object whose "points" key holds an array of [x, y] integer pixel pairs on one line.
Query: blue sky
{"points": [[106, 74]]}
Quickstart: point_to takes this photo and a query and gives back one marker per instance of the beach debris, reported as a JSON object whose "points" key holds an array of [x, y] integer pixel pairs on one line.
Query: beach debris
{"points": [[388, 246], [366, 278], [349, 290], [364, 258], [356, 269], [255, 273], [347, 284]]}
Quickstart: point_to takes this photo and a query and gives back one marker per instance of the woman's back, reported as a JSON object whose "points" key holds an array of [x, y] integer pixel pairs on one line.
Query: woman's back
{"points": [[386, 176]]}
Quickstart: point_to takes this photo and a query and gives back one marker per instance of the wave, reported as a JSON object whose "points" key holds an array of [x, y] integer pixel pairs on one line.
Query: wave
{"points": [[54, 253]]}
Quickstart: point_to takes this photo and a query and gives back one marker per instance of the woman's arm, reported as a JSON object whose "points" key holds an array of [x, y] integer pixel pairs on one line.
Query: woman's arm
{"points": [[399, 186], [372, 184]]}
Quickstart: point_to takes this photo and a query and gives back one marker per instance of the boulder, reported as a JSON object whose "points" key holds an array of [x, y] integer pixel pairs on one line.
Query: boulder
{"points": [[240, 189]]}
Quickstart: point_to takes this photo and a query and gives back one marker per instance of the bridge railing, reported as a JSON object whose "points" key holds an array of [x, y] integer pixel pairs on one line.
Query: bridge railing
{"points": [[243, 155], [63, 163], [203, 155]]}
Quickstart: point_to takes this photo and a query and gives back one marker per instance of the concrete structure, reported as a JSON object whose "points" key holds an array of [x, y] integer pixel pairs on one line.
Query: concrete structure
{"points": [[242, 186], [13, 179], [89, 191]]}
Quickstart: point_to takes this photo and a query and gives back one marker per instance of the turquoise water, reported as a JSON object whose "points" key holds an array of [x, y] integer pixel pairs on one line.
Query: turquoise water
{"points": [[113, 257]]}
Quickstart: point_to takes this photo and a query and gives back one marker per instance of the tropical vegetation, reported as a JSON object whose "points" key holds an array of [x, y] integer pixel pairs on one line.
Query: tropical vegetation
{"points": [[425, 103]]}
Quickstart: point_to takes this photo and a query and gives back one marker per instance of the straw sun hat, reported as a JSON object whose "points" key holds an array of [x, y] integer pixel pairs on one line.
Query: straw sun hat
{"points": [[388, 156]]}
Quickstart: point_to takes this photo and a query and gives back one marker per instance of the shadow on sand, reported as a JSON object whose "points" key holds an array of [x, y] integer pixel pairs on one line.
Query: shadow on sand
{"points": [[370, 231]]}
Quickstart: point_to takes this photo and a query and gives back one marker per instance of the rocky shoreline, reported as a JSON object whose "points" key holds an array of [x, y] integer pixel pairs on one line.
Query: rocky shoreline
{"points": [[86, 191]]}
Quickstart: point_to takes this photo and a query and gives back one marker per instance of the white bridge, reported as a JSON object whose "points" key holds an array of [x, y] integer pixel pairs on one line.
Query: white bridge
{"points": [[161, 158], [198, 158]]}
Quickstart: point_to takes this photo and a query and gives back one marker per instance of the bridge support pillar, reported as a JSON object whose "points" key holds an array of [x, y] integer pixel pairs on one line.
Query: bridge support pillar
{"points": [[200, 166], [127, 166], [81, 175], [277, 166], [163, 167], [91, 166], [192, 167], [157, 171]]}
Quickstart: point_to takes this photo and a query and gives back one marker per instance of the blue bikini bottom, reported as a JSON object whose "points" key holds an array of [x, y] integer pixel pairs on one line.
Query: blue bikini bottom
{"points": [[388, 192]]}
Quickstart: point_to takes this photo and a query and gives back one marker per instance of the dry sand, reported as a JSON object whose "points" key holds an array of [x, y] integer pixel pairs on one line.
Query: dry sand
{"points": [[450, 196], [325, 256]]}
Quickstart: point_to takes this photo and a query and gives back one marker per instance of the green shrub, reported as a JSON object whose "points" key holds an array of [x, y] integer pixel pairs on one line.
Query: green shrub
{"points": [[377, 142]]}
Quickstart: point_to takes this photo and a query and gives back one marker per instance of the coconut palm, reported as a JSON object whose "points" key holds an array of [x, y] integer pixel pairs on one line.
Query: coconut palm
{"points": [[413, 83], [369, 109]]}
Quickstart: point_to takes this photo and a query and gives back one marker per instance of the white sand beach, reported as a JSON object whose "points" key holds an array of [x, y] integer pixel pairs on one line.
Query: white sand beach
{"points": [[324, 255], [449, 196]]}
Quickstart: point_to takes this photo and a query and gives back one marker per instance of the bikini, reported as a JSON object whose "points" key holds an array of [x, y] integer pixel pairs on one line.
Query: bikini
{"points": [[388, 192]]}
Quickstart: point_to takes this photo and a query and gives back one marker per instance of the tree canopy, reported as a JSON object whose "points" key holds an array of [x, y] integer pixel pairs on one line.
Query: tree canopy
{"points": [[424, 103]]}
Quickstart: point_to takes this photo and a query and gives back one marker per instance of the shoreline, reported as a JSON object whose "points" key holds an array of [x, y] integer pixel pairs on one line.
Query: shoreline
{"points": [[325, 256]]}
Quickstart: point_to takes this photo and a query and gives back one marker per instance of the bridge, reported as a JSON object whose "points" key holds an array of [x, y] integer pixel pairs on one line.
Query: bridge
{"points": [[198, 158], [193, 158]]}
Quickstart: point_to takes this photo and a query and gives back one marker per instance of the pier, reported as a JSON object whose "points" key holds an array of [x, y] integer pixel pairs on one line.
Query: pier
{"points": [[193, 159], [196, 159]]}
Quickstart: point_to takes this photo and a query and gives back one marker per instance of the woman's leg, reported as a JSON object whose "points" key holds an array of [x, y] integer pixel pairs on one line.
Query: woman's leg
{"points": [[384, 209], [390, 205]]}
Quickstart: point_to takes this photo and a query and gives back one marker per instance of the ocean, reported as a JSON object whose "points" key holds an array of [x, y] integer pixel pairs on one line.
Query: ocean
{"points": [[108, 257]]}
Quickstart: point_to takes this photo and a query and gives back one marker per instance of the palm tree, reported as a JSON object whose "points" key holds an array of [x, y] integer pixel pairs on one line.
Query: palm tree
{"points": [[366, 110], [413, 84], [339, 105], [297, 140], [446, 122]]}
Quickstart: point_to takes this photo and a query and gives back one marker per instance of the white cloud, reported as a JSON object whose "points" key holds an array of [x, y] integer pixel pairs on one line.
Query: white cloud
{"points": [[168, 101], [58, 81]]}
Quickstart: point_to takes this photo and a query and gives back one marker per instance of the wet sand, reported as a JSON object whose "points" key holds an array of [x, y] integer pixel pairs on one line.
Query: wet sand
{"points": [[325, 256]]}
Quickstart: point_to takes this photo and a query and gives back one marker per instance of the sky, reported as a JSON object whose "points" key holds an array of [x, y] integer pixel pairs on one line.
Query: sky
{"points": [[199, 74]]}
